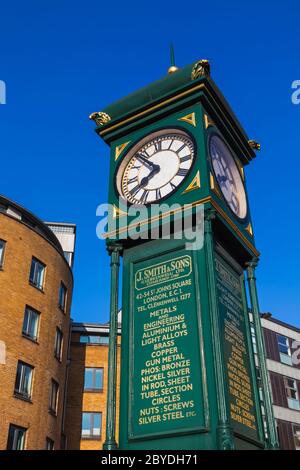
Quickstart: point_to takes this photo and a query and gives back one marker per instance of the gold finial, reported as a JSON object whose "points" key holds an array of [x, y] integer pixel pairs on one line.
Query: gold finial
{"points": [[254, 145], [201, 69], [100, 118], [173, 67]]}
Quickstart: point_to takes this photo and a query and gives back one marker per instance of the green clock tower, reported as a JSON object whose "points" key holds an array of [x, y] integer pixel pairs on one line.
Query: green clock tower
{"points": [[188, 370]]}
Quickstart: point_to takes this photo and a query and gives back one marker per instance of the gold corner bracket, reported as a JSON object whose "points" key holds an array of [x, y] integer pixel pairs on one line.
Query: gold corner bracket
{"points": [[207, 121], [254, 145], [195, 184], [100, 118], [249, 229], [189, 118], [200, 69], [120, 148]]}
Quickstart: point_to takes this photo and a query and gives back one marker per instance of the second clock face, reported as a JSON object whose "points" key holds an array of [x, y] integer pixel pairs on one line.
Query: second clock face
{"points": [[228, 176], [155, 167]]}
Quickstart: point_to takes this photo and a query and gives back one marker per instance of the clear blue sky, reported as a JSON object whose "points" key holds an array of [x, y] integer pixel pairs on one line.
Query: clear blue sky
{"points": [[63, 59]]}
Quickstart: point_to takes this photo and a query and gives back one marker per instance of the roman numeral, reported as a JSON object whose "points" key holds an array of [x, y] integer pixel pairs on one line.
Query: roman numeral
{"points": [[185, 159], [142, 155], [135, 190], [172, 185], [182, 172], [132, 180], [157, 145], [158, 194], [144, 197], [180, 148], [172, 140]]}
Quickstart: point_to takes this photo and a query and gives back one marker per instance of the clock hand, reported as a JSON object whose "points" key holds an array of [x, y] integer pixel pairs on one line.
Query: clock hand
{"points": [[146, 162], [146, 179], [222, 179]]}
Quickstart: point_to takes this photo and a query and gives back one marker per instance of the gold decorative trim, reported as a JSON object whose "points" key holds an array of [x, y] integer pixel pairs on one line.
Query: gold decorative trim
{"points": [[213, 184], [243, 173], [152, 108], [207, 121], [195, 184], [100, 118], [249, 229], [120, 148], [235, 228], [189, 118], [241, 168], [254, 145], [117, 212], [200, 69]]}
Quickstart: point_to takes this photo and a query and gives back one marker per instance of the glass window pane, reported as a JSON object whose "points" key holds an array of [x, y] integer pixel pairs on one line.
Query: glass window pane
{"points": [[30, 324], [88, 378], [27, 380], [26, 322], [2, 245], [62, 296], [16, 438], [86, 424], [99, 379], [37, 271], [84, 339], [104, 339], [97, 424]]}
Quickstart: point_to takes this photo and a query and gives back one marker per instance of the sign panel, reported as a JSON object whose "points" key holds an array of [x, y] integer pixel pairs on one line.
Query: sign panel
{"points": [[165, 375], [236, 354]]}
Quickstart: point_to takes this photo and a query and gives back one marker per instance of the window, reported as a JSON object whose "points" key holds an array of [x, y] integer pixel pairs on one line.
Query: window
{"points": [[53, 397], [37, 273], [284, 350], [16, 438], [296, 430], [58, 344], [24, 380], [31, 323], [292, 393], [49, 444], [68, 256], [91, 425], [62, 296], [94, 339], [253, 337], [93, 378], [2, 249]]}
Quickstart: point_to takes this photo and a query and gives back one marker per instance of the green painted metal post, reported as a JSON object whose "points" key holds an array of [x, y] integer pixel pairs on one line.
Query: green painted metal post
{"points": [[272, 434], [260, 426], [110, 440], [224, 430]]}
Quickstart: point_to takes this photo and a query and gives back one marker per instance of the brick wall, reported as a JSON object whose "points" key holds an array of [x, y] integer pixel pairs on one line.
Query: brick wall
{"points": [[78, 400], [15, 294]]}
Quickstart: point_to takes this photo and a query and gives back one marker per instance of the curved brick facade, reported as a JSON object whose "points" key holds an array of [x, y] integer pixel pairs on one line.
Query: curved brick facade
{"points": [[26, 237]]}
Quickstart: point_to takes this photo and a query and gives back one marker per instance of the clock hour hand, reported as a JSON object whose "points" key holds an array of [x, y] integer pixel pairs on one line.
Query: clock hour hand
{"points": [[146, 179]]}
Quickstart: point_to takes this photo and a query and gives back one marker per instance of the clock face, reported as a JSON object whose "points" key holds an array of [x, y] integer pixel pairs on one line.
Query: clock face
{"points": [[228, 176], [155, 167]]}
